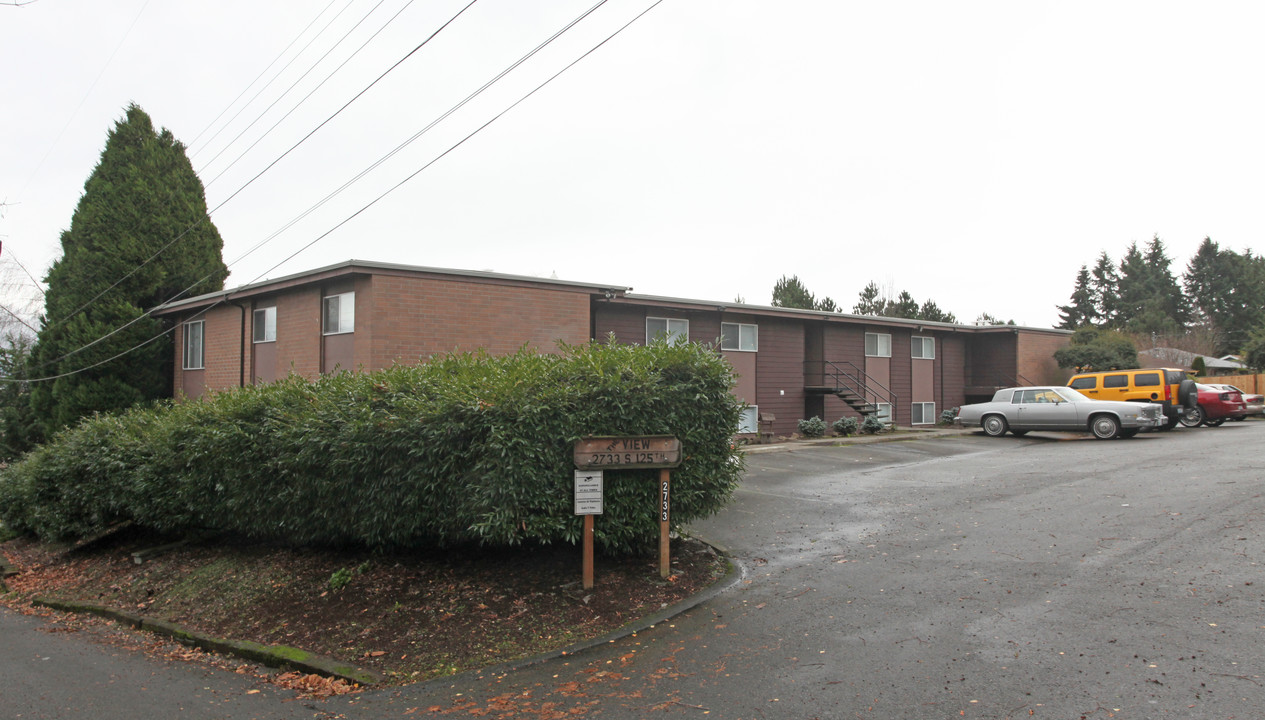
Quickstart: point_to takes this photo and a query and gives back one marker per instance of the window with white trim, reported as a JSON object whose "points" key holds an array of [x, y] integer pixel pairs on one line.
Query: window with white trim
{"points": [[884, 413], [878, 345], [265, 325], [674, 330], [739, 336], [924, 413], [749, 423], [339, 314], [922, 348], [193, 354]]}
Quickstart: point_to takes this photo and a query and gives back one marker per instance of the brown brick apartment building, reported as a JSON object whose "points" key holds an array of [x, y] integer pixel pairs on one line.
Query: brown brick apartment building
{"points": [[790, 364]]}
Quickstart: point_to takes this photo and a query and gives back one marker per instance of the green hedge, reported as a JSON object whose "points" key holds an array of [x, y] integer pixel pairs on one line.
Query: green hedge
{"points": [[464, 448]]}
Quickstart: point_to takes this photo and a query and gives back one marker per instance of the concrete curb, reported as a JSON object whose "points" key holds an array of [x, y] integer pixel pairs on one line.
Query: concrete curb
{"points": [[5, 571], [277, 656], [900, 436]]}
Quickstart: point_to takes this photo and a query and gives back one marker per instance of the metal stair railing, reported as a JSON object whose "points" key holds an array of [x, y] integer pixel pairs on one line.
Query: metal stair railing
{"points": [[848, 379]]}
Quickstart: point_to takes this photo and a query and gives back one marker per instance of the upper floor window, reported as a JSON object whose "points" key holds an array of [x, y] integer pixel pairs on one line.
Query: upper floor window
{"points": [[339, 314], [673, 329], [265, 325], [923, 348], [878, 345], [193, 354], [739, 336]]}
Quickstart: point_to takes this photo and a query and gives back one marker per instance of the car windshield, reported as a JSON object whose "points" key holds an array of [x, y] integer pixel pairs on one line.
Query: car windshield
{"points": [[1069, 395]]}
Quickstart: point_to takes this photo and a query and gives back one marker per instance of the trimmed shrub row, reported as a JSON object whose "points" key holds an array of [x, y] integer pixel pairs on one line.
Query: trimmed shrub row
{"points": [[466, 447]]}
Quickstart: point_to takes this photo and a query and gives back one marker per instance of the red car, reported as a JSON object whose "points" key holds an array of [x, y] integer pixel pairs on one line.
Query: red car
{"points": [[1216, 405], [1255, 403]]}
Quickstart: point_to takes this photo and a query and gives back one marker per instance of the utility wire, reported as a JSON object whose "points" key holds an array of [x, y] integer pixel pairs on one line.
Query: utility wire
{"points": [[274, 79], [104, 66], [224, 202], [364, 208], [421, 132], [262, 73], [293, 86]]}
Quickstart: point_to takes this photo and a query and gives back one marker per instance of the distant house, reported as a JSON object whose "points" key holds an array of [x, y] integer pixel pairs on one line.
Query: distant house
{"points": [[1172, 357], [790, 364]]}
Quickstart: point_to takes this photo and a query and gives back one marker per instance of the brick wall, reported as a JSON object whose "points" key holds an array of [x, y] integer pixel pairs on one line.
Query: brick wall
{"points": [[413, 318], [1035, 358], [222, 353], [299, 332]]}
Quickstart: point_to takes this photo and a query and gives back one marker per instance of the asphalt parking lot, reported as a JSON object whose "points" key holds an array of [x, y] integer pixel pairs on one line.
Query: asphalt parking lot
{"points": [[1053, 576]]}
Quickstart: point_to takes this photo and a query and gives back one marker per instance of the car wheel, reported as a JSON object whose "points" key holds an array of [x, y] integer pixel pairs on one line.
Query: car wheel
{"points": [[1188, 394], [1170, 422], [1128, 433], [1193, 417], [994, 425], [1104, 427], [1214, 423]]}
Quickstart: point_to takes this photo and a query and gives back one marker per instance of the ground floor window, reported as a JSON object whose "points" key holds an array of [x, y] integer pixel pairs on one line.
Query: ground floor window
{"points": [[924, 413], [749, 424], [884, 413]]}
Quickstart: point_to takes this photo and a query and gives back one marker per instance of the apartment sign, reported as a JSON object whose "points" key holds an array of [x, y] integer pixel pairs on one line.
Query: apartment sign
{"points": [[588, 492], [628, 452]]}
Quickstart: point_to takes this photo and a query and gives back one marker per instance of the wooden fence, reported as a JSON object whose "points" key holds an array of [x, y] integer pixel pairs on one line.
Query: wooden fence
{"points": [[1247, 383]]}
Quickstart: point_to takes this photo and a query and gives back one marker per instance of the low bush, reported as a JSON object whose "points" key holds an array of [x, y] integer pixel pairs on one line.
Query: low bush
{"points": [[845, 426], [872, 425], [466, 448], [813, 427], [948, 416]]}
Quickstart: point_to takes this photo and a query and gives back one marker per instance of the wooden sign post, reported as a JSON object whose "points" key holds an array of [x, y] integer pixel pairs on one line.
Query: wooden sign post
{"points": [[588, 502], [661, 452]]}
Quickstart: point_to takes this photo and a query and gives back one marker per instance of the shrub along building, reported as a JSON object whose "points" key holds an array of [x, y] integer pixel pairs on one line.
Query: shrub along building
{"points": [[790, 364]]}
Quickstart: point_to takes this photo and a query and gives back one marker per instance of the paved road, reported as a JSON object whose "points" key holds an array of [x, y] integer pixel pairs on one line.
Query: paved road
{"points": [[1050, 577]]}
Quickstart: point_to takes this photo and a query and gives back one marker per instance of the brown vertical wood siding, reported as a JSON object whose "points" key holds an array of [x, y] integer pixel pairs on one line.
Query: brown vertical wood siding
{"points": [[780, 368], [951, 359]]}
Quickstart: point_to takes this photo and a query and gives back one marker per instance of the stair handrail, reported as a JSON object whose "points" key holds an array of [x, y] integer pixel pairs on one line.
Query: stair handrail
{"points": [[861, 382]]}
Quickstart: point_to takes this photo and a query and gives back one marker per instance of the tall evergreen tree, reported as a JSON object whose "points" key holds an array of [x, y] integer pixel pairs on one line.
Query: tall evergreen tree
{"points": [[142, 201], [789, 292], [904, 306], [1166, 294], [1105, 285], [932, 313], [1227, 292], [1081, 310], [870, 301]]}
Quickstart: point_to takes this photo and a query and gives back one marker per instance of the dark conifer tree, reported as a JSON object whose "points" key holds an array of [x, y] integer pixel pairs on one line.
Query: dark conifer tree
{"points": [[139, 236], [1081, 311]]}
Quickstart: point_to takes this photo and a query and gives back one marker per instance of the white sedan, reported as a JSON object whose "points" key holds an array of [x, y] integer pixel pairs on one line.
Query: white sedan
{"points": [[1020, 409]]}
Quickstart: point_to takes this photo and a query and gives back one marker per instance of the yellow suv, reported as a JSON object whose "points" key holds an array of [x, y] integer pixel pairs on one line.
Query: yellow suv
{"points": [[1167, 386]]}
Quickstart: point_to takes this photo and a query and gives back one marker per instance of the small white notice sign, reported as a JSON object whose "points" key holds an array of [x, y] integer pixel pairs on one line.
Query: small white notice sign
{"points": [[588, 492]]}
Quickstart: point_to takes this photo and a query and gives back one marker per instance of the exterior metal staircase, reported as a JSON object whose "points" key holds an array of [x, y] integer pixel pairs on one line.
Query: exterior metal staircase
{"points": [[849, 383]]}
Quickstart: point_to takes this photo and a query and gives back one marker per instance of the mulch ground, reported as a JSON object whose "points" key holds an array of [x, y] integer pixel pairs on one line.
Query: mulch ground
{"points": [[408, 617]]}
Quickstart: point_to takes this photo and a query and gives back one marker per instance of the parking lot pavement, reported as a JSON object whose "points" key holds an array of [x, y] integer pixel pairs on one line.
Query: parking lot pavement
{"points": [[1049, 577]]}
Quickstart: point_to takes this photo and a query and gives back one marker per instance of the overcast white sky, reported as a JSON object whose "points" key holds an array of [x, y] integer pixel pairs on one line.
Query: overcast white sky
{"points": [[973, 153]]}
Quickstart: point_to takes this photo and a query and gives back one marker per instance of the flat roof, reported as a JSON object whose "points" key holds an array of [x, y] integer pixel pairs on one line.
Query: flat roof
{"points": [[350, 267]]}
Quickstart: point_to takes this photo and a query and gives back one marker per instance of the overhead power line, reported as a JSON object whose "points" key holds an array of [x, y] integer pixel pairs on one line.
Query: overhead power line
{"points": [[371, 203], [262, 73], [225, 201], [274, 79], [295, 84]]}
